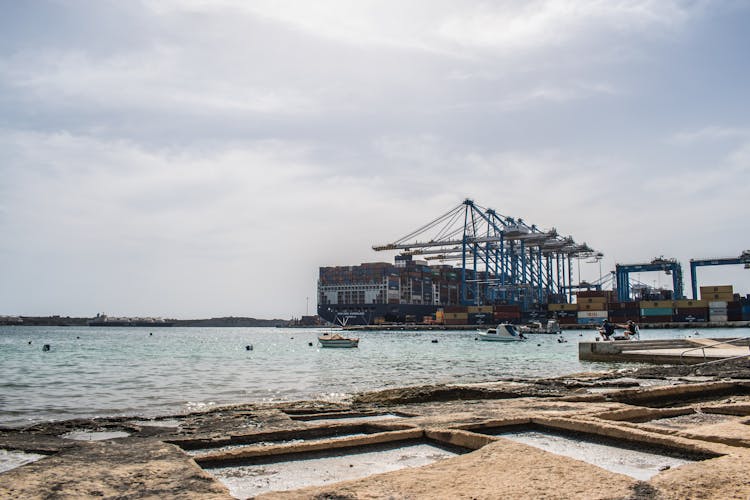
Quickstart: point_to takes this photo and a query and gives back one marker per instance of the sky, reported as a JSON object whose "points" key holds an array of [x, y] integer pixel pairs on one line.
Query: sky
{"points": [[203, 158]]}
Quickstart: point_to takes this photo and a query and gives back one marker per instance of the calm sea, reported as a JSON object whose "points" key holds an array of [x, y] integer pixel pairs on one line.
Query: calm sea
{"points": [[148, 372]]}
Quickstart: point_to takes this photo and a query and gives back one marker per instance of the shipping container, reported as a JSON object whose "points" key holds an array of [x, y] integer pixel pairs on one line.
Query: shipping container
{"points": [[701, 315], [718, 304], [479, 309], [589, 321], [593, 314], [625, 313], [690, 303], [454, 322], [657, 304], [692, 310], [719, 318], [570, 320], [498, 316], [624, 306], [455, 309], [727, 296], [656, 311], [562, 307], [717, 289], [463, 316], [592, 300], [506, 308], [595, 306], [595, 293], [656, 319], [734, 316], [480, 318]]}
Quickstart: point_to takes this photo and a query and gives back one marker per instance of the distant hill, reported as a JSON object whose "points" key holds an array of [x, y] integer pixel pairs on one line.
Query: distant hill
{"points": [[231, 321], [68, 321]]}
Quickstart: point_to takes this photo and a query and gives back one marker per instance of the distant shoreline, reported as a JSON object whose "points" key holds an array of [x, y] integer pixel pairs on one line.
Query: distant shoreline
{"points": [[208, 322]]}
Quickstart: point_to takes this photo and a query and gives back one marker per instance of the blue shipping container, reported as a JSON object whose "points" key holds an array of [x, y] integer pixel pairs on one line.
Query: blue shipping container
{"points": [[657, 311], [590, 321]]}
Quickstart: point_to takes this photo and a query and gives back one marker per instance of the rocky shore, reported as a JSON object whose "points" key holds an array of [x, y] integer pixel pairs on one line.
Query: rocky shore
{"points": [[700, 413]]}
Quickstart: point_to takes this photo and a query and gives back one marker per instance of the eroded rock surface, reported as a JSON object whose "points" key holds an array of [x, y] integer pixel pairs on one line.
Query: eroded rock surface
{"points": [[698, 410]]}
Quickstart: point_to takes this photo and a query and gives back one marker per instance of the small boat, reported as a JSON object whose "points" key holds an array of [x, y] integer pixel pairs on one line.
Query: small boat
{"points": [[337, 340], [532, 327], [504, 332], [552, 327]]}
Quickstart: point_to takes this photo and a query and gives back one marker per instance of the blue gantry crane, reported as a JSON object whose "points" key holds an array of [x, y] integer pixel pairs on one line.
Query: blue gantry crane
{"points": [[669, 266], [502, 258], [744, 258]]}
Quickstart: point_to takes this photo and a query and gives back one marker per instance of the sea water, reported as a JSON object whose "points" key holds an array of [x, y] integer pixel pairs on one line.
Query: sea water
{"points": [[147, 372]]}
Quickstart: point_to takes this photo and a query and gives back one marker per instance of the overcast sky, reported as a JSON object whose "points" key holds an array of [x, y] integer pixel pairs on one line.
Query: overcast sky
{"points": [[196, 158]]}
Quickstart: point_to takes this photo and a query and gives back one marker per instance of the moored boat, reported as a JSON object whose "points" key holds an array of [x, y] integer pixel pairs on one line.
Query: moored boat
{"points": [[337, 340], [504, 332]]}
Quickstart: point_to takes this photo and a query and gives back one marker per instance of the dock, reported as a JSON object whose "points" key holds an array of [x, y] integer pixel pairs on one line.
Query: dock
{"points": [[665, 351]]}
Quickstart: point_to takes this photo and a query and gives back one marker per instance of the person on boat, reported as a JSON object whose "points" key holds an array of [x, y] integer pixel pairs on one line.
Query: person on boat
{"points": [[607, 329]]}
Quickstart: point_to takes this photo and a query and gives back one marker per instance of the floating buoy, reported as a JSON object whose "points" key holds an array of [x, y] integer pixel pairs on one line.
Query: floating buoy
{"points": [[29, 342], [291, 338], [310, 344], [539, 345], [249, 347], [78, 338], [45, 347], [434, 341], [150, 333], [476, 338]]}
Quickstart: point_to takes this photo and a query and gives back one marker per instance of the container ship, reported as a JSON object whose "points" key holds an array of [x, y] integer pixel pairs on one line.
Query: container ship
{"points": [[494, 266], [411, 292]]}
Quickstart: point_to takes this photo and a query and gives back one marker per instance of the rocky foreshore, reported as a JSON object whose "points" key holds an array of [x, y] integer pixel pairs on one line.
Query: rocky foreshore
{"points": [[699, 412]]}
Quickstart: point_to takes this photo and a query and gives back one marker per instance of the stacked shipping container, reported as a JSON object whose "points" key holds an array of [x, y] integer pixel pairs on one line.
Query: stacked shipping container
{"points": [[718, 298]]}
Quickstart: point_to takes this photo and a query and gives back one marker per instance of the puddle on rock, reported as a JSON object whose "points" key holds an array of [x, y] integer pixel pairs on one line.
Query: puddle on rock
{"points": [[690, 420], [319, 468], [637, 461], [11, 459], [171, 423], [324, 419], [94, 436], [205, 451]]}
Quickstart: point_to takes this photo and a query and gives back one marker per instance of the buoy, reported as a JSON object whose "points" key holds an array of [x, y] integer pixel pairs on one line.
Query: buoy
{"points": [[539, 345], [249, 347], [78, 338], [434, 341], [476, 338], [29, 342], [45, 347], [310, 344], [291, 338], [150, 333]]}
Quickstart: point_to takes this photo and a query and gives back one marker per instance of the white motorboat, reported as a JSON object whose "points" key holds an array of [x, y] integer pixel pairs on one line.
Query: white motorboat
{"points": [[504, 332], [337, 340]]}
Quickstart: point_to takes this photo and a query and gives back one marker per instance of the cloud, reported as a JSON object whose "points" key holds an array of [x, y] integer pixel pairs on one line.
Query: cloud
{"points": [[208, 157], [710, 133]]}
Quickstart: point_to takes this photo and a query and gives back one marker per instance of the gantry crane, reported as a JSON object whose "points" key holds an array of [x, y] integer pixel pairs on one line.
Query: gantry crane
{"points": [[744, 258], [508, 260], [669, 266]]}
